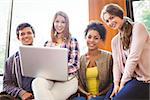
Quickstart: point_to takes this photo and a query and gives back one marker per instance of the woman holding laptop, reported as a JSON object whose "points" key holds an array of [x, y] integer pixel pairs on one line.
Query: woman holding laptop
{"points": [[45, 89]]}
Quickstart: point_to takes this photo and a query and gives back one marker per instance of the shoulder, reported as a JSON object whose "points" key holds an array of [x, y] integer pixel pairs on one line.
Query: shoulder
{"points": [[9, 61], [82, 56], [114, 39], [139, 31], [16, 54], [139, 27], [105, 53]]}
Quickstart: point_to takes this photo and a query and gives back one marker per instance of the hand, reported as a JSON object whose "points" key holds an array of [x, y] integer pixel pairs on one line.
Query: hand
{"points": [[27, 96], [121, 86], [98, 94], [89, 96], [115, 90]]}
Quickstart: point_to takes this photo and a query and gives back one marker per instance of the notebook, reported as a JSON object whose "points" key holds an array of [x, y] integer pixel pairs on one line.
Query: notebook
{"points": [[47, 62]]}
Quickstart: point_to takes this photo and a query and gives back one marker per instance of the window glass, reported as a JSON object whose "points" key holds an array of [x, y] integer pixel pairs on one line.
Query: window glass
{"points": [[141, 12], [4, 14], [40, 14]]}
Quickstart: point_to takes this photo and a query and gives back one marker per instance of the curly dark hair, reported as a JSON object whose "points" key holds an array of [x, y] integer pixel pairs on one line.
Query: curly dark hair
{"points": [[97, 26]]}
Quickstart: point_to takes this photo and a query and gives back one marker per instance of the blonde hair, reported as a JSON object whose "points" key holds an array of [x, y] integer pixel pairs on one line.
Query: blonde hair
{"points": [[66, 36]]}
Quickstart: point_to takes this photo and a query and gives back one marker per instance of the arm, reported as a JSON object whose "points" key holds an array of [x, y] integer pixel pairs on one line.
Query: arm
{"points": [[73, 56], [110, 66], [116, 69], [9, 81], [10, 84], [82, 91], [139, 37]]}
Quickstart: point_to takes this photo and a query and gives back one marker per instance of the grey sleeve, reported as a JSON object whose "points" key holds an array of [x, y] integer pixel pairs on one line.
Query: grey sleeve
{"points": [[9, 80]]}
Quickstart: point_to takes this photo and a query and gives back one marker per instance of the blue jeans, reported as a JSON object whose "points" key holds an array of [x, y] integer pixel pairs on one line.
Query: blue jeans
{"points": [[133, 90], [93, 98]]}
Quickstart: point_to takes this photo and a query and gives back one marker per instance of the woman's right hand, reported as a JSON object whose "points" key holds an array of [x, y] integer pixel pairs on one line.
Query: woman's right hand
{"points": [[115, 90], [89, 96]]}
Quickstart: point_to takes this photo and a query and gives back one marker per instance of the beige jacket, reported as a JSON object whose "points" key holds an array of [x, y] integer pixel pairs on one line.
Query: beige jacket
{"points": [[104, 64]]}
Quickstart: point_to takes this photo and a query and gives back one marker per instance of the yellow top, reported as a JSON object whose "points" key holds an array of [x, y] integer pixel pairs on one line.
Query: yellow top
{"points": [[92, 80]]}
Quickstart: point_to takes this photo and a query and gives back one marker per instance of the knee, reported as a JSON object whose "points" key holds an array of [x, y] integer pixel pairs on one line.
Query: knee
{"points": [[75, 82], [39, 82]]}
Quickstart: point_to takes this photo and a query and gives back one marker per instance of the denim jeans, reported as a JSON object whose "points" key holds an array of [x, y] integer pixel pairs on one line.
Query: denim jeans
{"points": [[93, 98], [133, 90]]}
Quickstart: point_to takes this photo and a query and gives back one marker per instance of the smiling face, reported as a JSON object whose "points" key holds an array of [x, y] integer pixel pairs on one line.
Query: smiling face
{"points": [[26, 36], [93, 39], [59, 24], [113, 21]]}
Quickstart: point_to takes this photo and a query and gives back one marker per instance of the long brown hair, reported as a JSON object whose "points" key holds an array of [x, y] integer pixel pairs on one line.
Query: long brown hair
{"points": [[116, 10], [66, 33], [127, 32]]}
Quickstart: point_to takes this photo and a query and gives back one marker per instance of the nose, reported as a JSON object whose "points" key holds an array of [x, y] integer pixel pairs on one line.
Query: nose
{"points": [[109, 23], [25, 35], [91, 39], [59, 24]]}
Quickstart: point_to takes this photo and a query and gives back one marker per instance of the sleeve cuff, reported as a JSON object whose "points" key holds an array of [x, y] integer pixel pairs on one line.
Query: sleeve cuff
{"points": [[21, 93]]}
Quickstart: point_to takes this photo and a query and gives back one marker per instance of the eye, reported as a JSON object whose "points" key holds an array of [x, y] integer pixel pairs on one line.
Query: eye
{"points": [[29, 33], [111, 17], [106, 21], [96, 37], [63, 22], [22, 34], [56, 21], [89, 37]]}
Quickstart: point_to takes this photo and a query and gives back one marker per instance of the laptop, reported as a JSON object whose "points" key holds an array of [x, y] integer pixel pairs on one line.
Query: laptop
{"points": [[47, 62]]}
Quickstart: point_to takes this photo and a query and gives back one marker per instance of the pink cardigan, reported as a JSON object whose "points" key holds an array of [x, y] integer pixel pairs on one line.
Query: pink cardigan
{"points": [[137, 64]]}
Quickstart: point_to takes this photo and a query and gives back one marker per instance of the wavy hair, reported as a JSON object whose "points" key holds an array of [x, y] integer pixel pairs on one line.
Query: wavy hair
{"points": [[116, 10], [66, 33]]}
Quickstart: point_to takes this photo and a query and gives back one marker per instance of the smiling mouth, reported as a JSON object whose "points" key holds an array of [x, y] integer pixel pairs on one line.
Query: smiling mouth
{"points": [[91, 45]]}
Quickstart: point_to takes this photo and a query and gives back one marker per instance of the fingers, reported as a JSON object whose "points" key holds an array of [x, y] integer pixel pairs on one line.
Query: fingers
{"points": [[115, 91], [112, 94], [121, 86]]}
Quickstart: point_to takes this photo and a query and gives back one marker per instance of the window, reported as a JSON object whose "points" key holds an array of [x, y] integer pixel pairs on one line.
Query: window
{"points": [[4, 18], [40, 15], [141, 12]]}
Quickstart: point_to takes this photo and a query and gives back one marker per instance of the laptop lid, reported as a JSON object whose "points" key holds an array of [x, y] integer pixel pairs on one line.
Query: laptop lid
{"points": [[47, 62]]}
